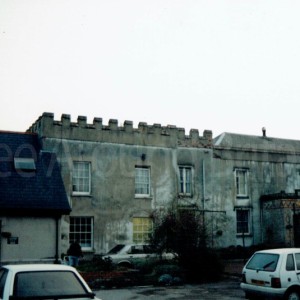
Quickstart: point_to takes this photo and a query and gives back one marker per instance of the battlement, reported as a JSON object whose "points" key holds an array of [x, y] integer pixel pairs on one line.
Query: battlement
{"points": [[146, 135]]}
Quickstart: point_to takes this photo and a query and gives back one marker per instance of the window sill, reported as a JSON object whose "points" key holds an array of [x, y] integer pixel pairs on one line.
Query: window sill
{"points": [[142, 197], [185, 196], [88, 250], [80, 195], [242, 197], [240, 235]]}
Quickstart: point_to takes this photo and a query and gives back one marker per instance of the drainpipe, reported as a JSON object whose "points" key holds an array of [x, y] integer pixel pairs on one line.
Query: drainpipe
{"points": [[203, 182], [56, 261], [261, 222], [294, 231], [203, 190], [0, 242]]}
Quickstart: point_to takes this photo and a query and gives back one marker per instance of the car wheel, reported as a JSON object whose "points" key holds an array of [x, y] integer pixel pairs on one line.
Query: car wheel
{"points": [[126, 265], [292, 295]]}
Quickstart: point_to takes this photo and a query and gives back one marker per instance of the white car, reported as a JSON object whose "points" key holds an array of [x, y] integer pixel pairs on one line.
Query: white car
{"points": [[128, 255], [273, 273], [43, 281]]}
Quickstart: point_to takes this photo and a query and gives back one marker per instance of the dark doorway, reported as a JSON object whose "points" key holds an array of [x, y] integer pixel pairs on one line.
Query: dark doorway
{"points": [[296, 220]]}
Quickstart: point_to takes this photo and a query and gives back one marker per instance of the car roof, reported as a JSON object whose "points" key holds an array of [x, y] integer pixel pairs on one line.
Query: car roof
{"points": [[38, 267], [279, 250]]}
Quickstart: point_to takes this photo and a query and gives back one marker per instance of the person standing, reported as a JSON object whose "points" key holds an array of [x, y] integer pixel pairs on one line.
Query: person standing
{"points": [[74, 253]]}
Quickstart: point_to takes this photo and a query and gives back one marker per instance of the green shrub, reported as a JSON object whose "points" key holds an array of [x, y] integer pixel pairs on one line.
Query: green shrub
{"points": [[98, 263], [182, 231], [202, 266], [144, 266], [171, 269]]}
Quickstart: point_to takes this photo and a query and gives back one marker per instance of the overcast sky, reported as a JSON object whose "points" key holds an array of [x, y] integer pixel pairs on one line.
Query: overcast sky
{"points": [[226, 66]]}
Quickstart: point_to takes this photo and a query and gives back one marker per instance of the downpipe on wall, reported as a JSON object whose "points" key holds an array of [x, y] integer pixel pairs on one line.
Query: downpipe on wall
{"points": [[0, 242]]}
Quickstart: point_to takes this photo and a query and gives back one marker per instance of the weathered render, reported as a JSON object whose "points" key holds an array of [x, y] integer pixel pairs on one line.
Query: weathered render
{"points": [[114, 152], [233, 180], [271, 167]]}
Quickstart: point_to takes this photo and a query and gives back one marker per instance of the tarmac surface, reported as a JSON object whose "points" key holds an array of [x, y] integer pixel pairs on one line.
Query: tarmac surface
{"points": [[226, 289]]}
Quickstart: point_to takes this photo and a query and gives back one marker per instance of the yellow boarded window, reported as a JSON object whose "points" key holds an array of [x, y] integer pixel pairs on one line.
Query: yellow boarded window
{"points": [[142, 229]]}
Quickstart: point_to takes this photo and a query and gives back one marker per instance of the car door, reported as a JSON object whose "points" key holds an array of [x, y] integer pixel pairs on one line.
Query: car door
{"points": [[137, 252], [288, 273]]}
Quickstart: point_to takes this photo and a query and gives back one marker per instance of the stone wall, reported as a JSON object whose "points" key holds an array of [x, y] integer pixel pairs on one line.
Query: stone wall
{"points": [[113, 152], [151, 135]]}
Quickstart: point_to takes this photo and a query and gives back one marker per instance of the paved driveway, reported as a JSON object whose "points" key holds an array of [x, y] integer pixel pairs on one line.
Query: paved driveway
{"points": [[226, 290]]}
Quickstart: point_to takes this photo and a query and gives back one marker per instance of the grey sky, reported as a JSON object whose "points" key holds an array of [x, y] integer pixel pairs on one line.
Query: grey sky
{"points": [[227, 66]]}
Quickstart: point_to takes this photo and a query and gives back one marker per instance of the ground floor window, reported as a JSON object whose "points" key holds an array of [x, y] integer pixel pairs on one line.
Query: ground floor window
{"points": [[243, 221], [81, 229], [142, 229]]}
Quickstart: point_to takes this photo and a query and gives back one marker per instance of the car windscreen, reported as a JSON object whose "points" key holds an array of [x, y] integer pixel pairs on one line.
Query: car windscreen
{"points": [[263, 262], [116, 249], [48, 283]]}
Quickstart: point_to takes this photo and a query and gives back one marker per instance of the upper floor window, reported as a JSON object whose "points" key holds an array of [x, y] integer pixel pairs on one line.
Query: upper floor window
{"points": [[142, 181], [81, 178], [185, 181], [243, 221], [241, 181], [24, 164]]}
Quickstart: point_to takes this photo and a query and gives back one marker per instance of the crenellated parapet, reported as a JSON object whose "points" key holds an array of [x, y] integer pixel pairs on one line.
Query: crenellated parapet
{"points": [[146, 135]]}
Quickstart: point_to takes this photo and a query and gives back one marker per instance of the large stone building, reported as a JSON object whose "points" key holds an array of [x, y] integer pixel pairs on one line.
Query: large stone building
{"points": [[118, 178]]}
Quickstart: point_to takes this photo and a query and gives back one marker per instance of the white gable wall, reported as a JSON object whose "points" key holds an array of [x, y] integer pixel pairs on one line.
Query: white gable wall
{"points": [[36, 239]]}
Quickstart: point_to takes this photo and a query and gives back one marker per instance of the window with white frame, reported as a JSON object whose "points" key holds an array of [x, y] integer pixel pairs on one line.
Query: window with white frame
{"points": [[142, 181], [185, 180], [24, 164], [81, 181], [242, 221], [142, 229], [81, 229], [241, 182]]}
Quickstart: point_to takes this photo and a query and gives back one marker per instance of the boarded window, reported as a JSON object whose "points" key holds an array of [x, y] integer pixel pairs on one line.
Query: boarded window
{"points": [[142, 229]]}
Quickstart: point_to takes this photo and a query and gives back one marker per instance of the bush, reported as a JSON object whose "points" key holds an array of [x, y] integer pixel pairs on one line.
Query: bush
{"points": [[183, 232], [171, 269], [98, 263], [202, 265], [144, 266]]}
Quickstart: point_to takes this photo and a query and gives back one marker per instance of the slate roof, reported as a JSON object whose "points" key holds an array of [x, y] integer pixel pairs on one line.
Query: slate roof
{"points": [[34, 192], [256, 143]]}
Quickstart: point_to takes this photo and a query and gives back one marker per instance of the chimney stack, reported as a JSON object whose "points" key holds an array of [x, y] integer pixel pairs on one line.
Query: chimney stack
{"points": [[264, 131]]}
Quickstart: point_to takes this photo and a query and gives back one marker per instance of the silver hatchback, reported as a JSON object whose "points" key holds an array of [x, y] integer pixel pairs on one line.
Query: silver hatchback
{"points": [[273, 273]]}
